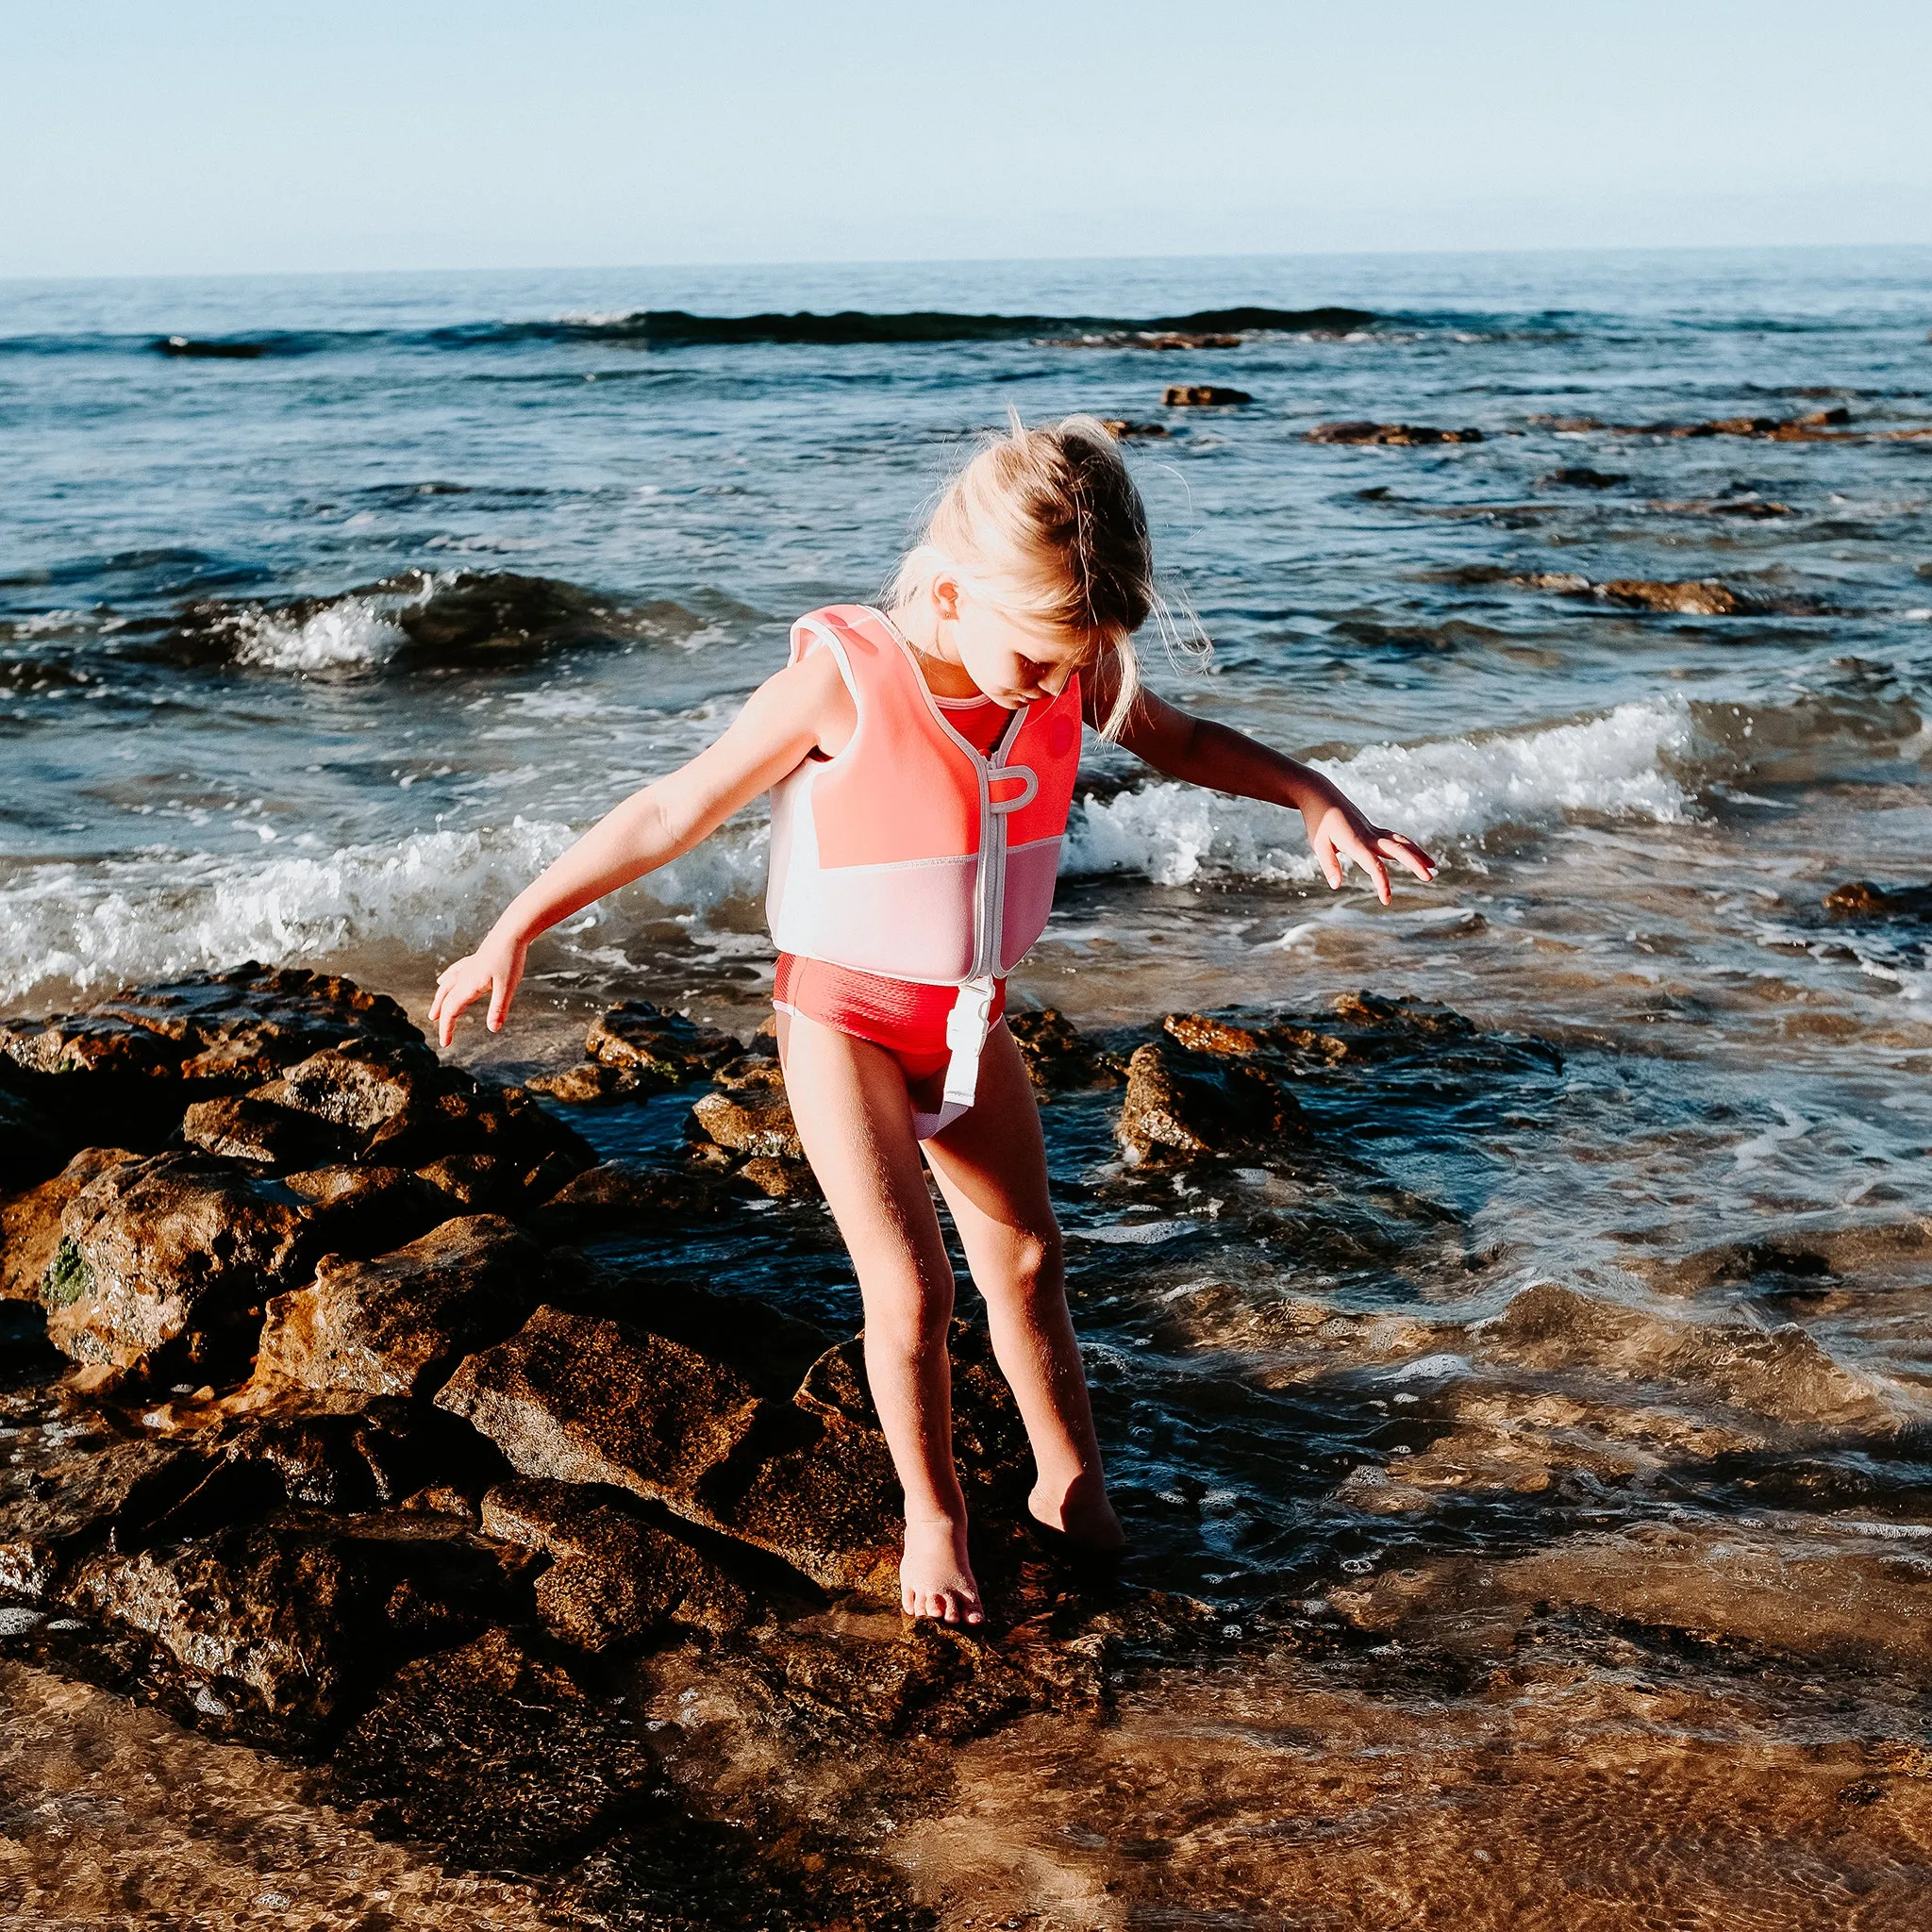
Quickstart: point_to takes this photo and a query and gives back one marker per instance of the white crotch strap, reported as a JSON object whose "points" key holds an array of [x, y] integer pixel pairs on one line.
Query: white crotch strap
{"points": [[966, 1025]]}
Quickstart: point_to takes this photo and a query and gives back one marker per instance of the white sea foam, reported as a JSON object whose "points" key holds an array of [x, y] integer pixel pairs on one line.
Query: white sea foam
{"points": [[352, 633], [1447, 790], [164, 912]]}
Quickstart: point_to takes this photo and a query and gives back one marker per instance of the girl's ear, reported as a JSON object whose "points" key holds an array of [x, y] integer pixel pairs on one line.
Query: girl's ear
{"points": [[945, 596]]}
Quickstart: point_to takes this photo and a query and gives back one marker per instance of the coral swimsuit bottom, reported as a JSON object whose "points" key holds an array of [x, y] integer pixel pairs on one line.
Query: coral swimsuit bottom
{"points": [[905, 1017]]}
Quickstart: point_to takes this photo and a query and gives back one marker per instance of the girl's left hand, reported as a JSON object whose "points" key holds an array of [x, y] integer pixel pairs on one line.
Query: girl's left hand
{"points": [[1338, 833]]}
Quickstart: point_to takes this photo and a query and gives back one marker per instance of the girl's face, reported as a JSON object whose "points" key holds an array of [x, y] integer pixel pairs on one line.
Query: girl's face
{"points": [[1013, 663]]}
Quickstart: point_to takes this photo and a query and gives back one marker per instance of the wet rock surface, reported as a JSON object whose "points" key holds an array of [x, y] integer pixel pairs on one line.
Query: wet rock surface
{"points": [[172, 1253], [400, 1324], [541, 1539]]}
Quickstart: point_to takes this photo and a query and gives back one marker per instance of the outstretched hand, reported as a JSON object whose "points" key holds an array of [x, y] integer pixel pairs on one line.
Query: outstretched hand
{"points": [[1339, 834], [495, 968]]}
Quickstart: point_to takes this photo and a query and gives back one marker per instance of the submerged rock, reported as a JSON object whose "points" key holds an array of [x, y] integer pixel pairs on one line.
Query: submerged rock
{"points": [[613, 1576], [1581, 477], [1182, 1105], [1121, 428], [399, 1324], [1782, 1373], [1397, 435], [586, 1400], [495, 1752], [172, 1252]]}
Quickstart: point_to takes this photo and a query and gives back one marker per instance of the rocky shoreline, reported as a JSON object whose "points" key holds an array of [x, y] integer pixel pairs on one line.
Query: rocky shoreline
{"points": [[337, 1428]]}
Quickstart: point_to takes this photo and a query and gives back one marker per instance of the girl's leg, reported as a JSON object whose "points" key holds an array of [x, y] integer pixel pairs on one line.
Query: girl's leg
{"points": [[848, 1098], [990, 1165]]}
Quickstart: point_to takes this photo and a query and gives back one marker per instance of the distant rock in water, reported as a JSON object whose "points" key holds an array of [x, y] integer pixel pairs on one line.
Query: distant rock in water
{"points": [[1581, 477], [1202, 395], [1211, 327], [1683, 597], [1119, 428], [222, 351], [417, 619], [1392, 435]]}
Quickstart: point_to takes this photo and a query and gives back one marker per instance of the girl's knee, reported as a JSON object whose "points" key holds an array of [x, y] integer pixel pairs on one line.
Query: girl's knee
{"points": [[913, 1316], [1029, 1269]]}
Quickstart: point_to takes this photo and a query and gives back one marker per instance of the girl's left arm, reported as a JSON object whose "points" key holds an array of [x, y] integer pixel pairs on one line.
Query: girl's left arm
{"points": [[1197, 751]]}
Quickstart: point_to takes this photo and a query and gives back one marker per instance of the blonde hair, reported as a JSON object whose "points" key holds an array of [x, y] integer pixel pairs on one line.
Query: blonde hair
{"points": [[1045, 524]]}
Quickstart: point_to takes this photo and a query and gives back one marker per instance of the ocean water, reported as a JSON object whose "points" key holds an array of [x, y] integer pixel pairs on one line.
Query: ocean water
{"points": [[315, 655]]}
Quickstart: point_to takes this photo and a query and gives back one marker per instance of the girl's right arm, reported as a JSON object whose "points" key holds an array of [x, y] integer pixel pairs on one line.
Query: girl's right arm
{"points": [[783, 722]]}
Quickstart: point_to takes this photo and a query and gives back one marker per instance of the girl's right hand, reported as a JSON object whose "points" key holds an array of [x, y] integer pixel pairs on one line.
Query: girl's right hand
{"points": [[495, 967]]}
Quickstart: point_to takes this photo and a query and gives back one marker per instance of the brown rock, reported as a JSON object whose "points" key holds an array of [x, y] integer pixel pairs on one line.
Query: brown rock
{"points": [[749, 1112], [366, 1210], [1200, 1034], [141, 1058], [831, 1507], [174, 1249], [1119, 428], [590, 1083], [241, 1127], [1184, 1105], [1398, 435], [347, 1450], [655, 1047], [829, 1502], [1202, 395], [290, 1618], [586, 1401], [30, 1222], [354, 1093], [47, 1517], [399, 1325], [1862, 899], [620, 1194], [1705, 597], [613, 1576], [1058, 1058], [780, 1180], [497, 1754]]}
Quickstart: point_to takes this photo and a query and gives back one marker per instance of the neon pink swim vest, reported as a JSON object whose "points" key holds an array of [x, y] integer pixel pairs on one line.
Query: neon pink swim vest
{"points": [[913, 855]]}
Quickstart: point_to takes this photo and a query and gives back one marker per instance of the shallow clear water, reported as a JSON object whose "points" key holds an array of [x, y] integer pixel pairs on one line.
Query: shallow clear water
{"points": [[1639, 814]]}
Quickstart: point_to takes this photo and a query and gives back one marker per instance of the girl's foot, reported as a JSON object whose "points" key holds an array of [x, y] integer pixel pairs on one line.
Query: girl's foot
{"points": [[1081, 1514], [935, 1579]]}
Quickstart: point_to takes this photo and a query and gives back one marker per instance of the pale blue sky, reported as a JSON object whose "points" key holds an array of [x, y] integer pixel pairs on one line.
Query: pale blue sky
{"points": [[201, 136]]}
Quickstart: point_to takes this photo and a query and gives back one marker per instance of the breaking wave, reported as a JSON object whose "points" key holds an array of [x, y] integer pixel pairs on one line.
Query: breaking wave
{"points": [[166, 912], [1453, 790]]}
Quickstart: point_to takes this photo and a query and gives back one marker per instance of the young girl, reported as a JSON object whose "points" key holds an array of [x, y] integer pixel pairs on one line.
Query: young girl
{"points": [[922, 760]]}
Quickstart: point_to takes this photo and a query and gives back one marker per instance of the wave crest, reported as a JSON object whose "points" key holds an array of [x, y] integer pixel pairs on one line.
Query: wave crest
{"points": [[1452, 789]]}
